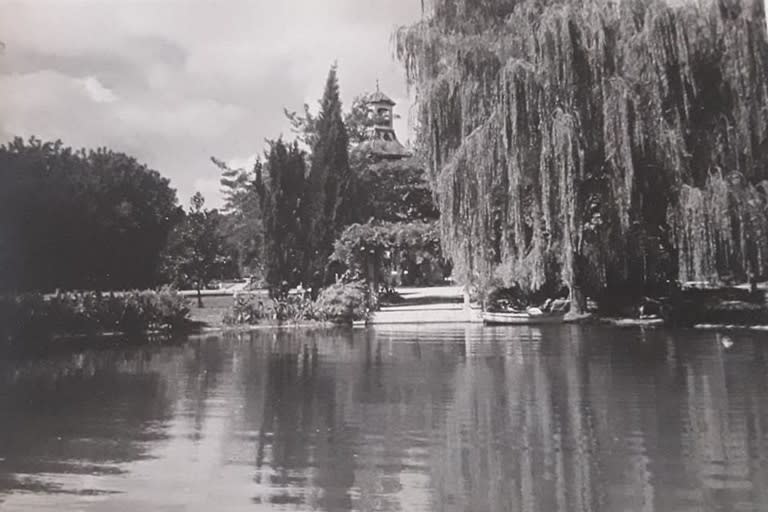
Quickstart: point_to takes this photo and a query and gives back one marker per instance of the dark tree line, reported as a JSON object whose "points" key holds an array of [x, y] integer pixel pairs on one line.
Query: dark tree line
{"points": [[80, 219], [100, 220]]}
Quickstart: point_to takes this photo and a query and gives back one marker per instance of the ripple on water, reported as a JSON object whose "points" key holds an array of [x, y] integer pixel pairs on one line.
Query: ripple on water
{"points": [[551, 418]]}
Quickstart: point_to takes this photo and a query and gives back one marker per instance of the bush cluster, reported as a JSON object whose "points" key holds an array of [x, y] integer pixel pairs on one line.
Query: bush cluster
{"points": [[339, 303], [343, 302], [74, 313], [291, 309]]}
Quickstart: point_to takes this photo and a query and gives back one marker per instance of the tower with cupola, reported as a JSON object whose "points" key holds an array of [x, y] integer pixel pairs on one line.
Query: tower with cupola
{"points": [[381, 140]]}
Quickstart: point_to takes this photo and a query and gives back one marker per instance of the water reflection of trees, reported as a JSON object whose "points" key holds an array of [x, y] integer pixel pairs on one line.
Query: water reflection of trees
{"points": [[333, 410], [536, 419], [518, 435], [550, 419], [590, 419], [300, 438], [204, 363], [85, 413]]}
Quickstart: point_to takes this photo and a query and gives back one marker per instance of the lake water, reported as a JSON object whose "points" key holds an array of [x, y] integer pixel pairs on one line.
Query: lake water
{"points": [[563, 418]]}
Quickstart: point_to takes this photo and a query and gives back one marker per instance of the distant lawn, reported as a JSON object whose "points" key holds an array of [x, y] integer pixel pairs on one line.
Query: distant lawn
{"points": [[213, 310]]}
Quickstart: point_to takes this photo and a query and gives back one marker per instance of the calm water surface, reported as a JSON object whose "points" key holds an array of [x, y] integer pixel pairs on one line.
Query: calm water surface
{"points": [[477, 419]]}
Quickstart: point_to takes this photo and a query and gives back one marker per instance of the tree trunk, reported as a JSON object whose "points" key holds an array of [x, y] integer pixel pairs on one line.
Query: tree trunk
{"points": [[371, 271], [578, 301], [199, 297]]}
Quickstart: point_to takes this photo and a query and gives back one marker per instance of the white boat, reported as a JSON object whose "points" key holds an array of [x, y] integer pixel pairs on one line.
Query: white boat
{"points": [[522, 318]]}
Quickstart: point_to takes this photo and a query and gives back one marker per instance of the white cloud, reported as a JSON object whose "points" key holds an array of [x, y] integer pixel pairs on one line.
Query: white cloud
{"points": [[97, 91], [174, 82]]}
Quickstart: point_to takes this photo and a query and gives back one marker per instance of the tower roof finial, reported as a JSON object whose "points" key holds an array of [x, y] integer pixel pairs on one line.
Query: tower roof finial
{"points": [[379, 97]]}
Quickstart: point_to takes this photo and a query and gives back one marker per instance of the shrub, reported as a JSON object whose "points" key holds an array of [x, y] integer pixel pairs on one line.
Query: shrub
{"points": [[73, 313], [290, 308], [295, 308], [342, 302], [245, 310], [170, 309]]}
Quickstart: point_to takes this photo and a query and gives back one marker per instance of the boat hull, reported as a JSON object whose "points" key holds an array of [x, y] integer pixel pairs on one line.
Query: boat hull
{"points": [[521, 319]]}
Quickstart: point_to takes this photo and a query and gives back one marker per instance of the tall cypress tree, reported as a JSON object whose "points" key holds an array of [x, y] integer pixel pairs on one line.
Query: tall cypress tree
{"points": [[280, 197], [326, 208]]}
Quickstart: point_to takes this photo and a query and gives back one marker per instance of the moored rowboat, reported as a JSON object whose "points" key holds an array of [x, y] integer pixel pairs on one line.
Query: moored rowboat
{"points": [[525, 318]]}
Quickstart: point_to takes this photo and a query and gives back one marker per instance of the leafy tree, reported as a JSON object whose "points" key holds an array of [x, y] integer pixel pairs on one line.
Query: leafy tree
{"points": [[197, 250], [242, 223], [394, 190], [595, 144], [356, 120], [373, 249], [80, 219], [280, 193], [401, 230], [303, 126], [326, 207]]}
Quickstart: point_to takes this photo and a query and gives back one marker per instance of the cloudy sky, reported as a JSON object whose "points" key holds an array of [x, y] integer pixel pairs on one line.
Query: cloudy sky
{"points": [[174, 82]]}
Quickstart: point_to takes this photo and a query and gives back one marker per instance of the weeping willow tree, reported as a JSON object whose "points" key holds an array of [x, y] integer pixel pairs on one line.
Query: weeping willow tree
{"points": [[594, 143]]}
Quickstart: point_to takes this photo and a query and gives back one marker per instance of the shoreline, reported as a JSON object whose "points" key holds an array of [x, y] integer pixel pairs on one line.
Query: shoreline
{"points": [[262, 327], [199, 328], [585, 319]]}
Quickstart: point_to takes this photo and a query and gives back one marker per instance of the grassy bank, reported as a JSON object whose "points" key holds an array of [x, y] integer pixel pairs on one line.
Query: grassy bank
{"points": [[212, 312], [33, 319]]}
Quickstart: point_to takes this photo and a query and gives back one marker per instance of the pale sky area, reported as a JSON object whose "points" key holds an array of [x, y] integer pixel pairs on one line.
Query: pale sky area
{"points": [[173, 82]]}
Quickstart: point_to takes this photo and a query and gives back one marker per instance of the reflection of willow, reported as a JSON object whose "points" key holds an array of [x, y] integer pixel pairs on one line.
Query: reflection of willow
{"points": [[727, 419], [514, 425], [518, 435]]}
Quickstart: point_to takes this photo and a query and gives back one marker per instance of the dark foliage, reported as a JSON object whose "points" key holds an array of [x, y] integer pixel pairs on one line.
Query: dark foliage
{"points": [[77, 219], [595, 144], [34, 317], [394, 191], [343, 303], [374, 250], [280, 196], [327, 206]]}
